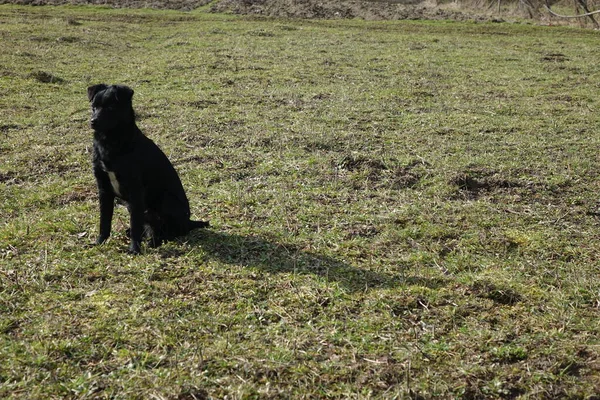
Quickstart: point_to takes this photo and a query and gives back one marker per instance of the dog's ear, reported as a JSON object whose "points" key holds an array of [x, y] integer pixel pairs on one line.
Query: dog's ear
{"points": [[124, 93], [92, 90]]}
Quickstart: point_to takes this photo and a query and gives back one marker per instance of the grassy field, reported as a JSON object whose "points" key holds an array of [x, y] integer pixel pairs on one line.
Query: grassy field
{"points": [[399, 209]]}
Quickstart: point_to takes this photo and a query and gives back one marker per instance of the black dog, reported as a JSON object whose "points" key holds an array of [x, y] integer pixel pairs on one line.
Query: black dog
{"points": [[130, 166]]}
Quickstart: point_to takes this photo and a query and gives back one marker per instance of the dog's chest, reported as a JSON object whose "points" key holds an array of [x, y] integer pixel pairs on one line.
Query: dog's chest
{"points": [[113, 179]]}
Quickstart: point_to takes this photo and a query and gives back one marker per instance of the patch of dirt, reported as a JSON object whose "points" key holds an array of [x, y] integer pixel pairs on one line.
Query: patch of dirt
{"points": [[477, 182], [193, 393], [361, 231], [463, 10], [45, 77], [554, 57], [182, 5], [363, 171], [5, 128], [10, 178], [385, 173], [319, 9], [409, 175], [79, 194], [358, 162], [499, 295]]}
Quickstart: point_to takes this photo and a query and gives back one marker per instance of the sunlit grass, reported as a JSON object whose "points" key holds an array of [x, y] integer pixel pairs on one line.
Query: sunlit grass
{"points": [[399, 209]]}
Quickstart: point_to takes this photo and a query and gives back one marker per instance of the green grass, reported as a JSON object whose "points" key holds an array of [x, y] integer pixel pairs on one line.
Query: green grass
{"points": [[399, 209]]}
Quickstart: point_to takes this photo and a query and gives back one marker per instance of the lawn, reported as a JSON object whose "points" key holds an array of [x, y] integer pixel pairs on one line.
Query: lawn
{"points": [[401, 209]]}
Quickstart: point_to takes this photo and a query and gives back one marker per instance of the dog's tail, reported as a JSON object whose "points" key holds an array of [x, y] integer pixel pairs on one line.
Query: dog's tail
{"points": [[198, 224]]}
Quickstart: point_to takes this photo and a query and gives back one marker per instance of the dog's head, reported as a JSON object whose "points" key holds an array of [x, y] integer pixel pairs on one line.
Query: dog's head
{"points": [[111, 106]]}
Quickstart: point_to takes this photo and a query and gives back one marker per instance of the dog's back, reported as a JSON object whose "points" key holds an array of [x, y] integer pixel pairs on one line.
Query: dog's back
{"points": [[164, 193]]}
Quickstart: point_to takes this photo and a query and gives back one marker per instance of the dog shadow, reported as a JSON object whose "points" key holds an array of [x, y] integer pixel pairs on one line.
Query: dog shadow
{"points": [[269, 256]]}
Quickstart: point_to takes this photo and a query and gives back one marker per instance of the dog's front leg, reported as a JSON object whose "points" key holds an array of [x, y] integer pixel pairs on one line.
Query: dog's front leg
{"points": [[107, 205], [136, 221]]}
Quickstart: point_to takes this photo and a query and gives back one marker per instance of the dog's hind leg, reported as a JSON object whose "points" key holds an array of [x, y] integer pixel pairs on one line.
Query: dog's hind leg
{"points": [[154, 228], [154, 236], [136, 222]]}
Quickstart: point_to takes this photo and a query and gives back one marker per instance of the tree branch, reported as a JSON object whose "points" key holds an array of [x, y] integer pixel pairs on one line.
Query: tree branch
{"points": [[547, 5]]}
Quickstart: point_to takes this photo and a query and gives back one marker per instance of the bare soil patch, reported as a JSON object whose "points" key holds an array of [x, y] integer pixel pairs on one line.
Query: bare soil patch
{"points": [[309, 9], [183, 5], [313, 9]]}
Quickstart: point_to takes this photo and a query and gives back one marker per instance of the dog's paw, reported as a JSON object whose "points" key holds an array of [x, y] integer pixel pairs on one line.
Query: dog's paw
{"points": [[155, 241], [199, 224], [101, 239], [134, 248]]}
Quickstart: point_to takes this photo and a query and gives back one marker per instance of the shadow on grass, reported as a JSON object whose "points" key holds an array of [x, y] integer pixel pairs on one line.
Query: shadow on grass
{"points": [[257, 252]]}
